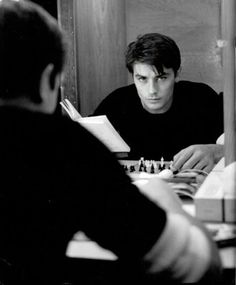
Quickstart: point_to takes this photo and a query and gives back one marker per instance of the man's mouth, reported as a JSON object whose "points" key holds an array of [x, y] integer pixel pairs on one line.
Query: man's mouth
{"points": [[154, 99]]}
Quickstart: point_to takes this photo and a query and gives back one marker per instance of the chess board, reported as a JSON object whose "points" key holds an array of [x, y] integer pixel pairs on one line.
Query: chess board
{"points": [[148, 166], [184, 183]]}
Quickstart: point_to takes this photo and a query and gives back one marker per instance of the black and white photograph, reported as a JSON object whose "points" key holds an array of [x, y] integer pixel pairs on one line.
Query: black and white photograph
{"points": [[118, 142]]}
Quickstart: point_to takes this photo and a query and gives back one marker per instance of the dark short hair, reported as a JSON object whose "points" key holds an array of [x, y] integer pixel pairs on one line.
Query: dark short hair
{"points": [[154, 49], [30, 39]]}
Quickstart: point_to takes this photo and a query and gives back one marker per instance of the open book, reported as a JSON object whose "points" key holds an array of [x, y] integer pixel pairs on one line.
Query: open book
{"points": [[100, 127]]}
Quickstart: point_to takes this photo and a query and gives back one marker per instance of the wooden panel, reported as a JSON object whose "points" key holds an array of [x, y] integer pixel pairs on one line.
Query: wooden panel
{"points": [[229, 31], [193, 24], [66, 21], [100, 50]]}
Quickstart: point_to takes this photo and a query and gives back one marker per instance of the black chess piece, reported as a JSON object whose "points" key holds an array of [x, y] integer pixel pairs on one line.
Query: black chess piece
{"points": [[132, 168], [125, 167], [152, 168]]}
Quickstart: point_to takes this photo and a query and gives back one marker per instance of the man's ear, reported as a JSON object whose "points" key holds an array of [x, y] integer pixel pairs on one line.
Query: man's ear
{"points": [[49, 93], [45, 87], [178, 74]]}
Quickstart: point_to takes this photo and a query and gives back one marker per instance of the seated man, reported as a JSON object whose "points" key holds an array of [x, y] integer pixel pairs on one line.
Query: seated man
{"points": [[57, 179], [160, 117]]}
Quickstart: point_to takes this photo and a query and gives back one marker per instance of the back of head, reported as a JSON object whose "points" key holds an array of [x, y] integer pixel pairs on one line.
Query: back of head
{"points": [[154, 49], [30, 39]]}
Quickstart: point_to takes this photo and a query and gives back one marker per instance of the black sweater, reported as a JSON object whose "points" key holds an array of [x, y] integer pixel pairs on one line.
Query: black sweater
{"points": [[195, 117]]}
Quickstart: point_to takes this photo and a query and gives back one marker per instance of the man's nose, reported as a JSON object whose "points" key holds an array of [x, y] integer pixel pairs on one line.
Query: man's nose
{"points": [[153, 87]]}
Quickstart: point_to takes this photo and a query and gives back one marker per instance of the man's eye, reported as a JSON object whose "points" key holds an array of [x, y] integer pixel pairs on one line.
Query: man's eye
{"points": [[162, 78], [141, 79]]}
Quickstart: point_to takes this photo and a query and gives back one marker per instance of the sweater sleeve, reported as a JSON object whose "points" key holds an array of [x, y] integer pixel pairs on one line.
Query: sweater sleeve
{"points": [[129, 223], [110, 209]]}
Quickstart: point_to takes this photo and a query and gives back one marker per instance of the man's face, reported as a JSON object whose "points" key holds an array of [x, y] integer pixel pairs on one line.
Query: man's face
{"points": [[155, 91]]}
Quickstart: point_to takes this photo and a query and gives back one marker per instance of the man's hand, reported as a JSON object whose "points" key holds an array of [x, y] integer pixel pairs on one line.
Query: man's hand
{"points": [[202, 157]]}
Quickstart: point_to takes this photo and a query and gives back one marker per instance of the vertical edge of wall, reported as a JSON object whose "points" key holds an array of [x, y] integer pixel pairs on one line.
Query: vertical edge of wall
{"points": [[228, 32], [66, 21], [100, 45]]}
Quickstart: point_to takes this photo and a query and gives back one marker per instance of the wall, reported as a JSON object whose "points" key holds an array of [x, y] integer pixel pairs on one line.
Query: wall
{"points": [[100, 31]]}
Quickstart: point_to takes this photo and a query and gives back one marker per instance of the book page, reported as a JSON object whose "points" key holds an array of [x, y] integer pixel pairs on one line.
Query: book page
{"points": [[101, 127]]}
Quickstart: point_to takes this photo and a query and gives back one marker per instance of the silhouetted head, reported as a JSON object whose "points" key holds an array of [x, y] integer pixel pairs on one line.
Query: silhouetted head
{"points": [[30, 40]]}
